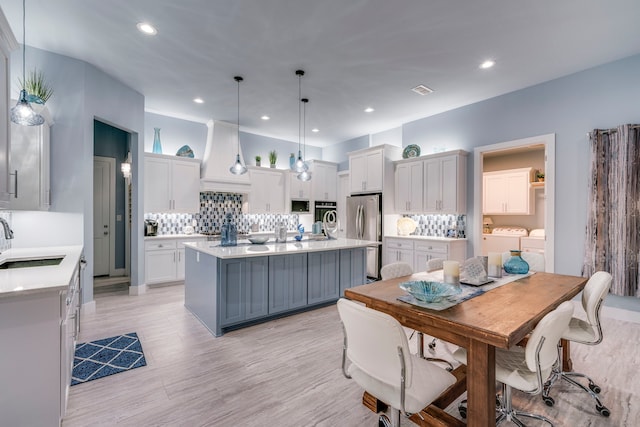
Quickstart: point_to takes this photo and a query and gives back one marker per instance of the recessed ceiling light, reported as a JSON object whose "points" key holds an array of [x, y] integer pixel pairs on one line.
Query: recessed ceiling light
{"points": [[316, 130], [369, 110], [487, 64], [145, 28], [422, 90], [265, 117], [198, 100]]}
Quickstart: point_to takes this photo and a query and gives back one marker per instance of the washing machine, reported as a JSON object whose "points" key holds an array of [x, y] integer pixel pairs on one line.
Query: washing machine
{"points": [[503, 239]]}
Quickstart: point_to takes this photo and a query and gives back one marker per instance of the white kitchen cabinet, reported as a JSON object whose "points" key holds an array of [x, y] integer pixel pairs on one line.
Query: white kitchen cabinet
{"points": [[267, 190], [324, 181], [29, 171], [171, 184], [164, 259], [7, 43], [445, 183], [508, 192], [366, 170], [398, 250], [409, 180], [299, 190], [341, 202]]}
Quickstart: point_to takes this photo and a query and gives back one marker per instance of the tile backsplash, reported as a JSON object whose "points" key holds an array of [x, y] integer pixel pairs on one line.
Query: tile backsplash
{"points": [[440, 225], [213, 208]]}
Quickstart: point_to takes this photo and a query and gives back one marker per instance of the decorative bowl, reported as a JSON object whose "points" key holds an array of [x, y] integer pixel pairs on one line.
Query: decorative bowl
{"points": [[411, 151], [258, 240], [430, 291], [406, 226]]}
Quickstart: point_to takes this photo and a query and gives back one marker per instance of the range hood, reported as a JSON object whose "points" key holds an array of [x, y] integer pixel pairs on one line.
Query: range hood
{"points": [[219, 154]]}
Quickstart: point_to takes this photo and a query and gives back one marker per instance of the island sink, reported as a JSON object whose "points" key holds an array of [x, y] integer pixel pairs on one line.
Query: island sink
{"points": [[29, 262]]}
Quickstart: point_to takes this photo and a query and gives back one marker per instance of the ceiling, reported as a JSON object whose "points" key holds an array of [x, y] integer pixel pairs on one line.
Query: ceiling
{"points": [[356, 54]]}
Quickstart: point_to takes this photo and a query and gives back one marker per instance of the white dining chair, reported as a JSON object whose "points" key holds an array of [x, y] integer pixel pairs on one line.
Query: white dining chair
{"points": [[377, 348], [584, 332], [435, 264], [534, 259], [528, 368], [400, 269]]}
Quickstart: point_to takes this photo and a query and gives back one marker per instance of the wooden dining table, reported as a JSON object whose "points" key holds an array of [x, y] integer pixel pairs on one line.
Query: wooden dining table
{"points": [[499, 318]]}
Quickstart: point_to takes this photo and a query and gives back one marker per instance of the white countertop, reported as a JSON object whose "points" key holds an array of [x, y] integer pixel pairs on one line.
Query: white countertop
{"points": [[175, 236], [436, 238], [29, 280], [246, 249]]}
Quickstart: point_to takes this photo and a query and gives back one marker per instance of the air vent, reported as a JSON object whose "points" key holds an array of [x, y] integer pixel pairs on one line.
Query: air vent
{"points": [[422, 90]]}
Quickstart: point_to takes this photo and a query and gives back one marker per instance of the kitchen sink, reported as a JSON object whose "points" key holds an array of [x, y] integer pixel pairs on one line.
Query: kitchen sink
{"points": [[30, 262]]}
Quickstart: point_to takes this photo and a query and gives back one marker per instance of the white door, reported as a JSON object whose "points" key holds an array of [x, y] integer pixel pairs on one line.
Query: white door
{"points": [[103, 185]]}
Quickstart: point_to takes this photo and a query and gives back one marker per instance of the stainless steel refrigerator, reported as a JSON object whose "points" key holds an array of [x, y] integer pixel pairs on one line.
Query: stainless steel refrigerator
{"points": [[364, 222]]}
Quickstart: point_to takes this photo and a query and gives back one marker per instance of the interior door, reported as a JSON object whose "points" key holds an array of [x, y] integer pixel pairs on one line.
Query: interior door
{"points": [[103, 170]]}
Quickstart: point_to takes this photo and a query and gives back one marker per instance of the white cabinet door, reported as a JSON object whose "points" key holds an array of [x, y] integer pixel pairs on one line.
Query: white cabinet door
{"points": [[444, 185], [160, 265], [185, 186], [432, 185], [180, 264], [7, 44], [157, 184], [325, 182], [375, 171], [299, 190], [30, 157], [357, 173], [409, 192], [507, 192], [449, 185], [341, 203], [267, 191], [367, 171]]}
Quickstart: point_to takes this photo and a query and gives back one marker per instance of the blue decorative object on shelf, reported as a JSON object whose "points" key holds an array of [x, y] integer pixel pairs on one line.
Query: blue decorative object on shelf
{"points": [[157, 146], [228, 232], [515, 264], [185, 151], [301, 231], [411, 150], [292, 160]]}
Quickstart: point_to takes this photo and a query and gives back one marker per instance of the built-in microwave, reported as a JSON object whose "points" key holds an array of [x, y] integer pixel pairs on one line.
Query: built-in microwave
{"points": [[299, 206]]}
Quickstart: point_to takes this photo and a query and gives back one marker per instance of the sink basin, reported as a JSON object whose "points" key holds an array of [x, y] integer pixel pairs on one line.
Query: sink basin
{"points": [[30, 262]]}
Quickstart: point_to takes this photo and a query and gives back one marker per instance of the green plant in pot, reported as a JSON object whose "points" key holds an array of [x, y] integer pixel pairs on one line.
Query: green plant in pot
{"points": [[273, 157], [540, 176], [258, 159], [37, 87]]}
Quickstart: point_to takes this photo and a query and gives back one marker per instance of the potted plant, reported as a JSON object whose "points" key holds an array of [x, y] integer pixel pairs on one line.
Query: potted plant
{"points": [[273, 156], [258, 158], [37, 88], [540, 176]]}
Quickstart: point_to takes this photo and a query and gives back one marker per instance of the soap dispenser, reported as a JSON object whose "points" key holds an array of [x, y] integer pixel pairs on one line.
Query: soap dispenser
{"points": [[229, 232]]}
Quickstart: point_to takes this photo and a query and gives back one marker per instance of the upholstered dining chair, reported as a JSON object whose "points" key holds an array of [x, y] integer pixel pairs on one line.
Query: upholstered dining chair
{"points": [[527, 368], [380, 362], [584, 332], [535, 260], [435, 264], [399, 269]]}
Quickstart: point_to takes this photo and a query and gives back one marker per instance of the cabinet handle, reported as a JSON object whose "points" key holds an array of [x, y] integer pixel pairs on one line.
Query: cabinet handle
{"points": [[174, 257], [15, 185]]}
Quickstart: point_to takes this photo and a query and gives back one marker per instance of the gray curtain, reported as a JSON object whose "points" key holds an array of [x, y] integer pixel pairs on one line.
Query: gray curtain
{"points": [[613, 219]]}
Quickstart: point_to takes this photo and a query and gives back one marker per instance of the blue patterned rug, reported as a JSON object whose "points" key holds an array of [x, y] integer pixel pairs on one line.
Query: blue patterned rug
{"points": [[97, 359]]}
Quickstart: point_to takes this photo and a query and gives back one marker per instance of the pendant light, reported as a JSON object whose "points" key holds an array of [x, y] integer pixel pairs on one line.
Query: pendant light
{"points": [[299, 165], [305, 175], [238, 168], [22, 113]]}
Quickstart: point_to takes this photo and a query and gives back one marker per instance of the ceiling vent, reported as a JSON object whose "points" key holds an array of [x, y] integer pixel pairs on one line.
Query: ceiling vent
{"points": [[422, 90]]}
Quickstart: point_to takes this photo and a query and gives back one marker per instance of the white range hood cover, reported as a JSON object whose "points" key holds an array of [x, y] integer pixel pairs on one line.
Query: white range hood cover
{"points": [[219, 154]]}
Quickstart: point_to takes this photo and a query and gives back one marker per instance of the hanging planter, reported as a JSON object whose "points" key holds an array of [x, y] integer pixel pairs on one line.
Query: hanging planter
{"points": [[37, 88]]}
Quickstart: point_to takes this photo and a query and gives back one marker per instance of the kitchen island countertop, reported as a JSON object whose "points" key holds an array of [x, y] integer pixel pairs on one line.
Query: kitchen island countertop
{"points": [[245, 249]]}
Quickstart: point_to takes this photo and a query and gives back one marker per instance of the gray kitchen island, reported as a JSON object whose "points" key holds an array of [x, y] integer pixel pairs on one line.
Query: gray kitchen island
{"points": [[231, 287]]}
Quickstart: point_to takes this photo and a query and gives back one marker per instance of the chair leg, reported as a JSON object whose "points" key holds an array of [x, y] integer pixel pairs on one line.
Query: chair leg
{"points": [[384, 421], [558, 373], [431, 359]]}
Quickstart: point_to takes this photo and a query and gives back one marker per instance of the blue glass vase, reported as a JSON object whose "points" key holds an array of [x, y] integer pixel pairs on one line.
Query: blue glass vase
{"points": [[228, 232], [515, 264], [157, 146], [292, 161]]}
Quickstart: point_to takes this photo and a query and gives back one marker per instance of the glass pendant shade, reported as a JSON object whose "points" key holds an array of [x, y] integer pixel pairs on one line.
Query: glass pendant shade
{"points": [[300, 165], [23, 114], [305, 175], [238, 168]]}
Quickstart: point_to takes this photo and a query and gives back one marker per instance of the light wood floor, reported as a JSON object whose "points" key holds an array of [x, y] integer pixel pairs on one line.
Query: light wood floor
{"points": [[287, 372]]}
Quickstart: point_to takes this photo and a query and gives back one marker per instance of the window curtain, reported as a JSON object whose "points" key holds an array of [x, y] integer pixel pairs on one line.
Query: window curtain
{"points": [[613, 218]]}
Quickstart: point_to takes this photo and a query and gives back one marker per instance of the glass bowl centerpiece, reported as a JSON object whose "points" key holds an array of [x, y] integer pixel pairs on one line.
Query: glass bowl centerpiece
{"points": [[430, 291]]}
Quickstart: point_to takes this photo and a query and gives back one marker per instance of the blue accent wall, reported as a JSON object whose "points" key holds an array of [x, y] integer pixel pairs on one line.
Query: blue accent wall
{"points": [[338, 153]]}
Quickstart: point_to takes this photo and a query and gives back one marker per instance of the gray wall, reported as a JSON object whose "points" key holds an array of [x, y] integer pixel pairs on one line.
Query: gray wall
{"points": [[601, 97], [338, 152]]}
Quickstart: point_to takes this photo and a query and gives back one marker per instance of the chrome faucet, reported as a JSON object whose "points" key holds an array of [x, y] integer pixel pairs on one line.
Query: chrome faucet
{"points": [[8, 233]]}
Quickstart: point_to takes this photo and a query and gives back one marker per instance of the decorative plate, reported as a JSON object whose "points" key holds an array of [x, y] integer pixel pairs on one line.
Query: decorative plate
{"points": [[406, 226], [185, 151], [411, 150], [430, 291]]}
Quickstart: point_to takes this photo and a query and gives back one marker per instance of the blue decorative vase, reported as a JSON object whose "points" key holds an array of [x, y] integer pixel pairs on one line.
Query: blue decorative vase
{"points": [[229, 232], [157, 146], [515, 264], [292, 161]]}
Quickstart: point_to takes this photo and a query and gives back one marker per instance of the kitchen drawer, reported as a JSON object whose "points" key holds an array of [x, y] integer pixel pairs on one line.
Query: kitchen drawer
{"points": [[399, 244], [432, 246], [156, 245]]}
